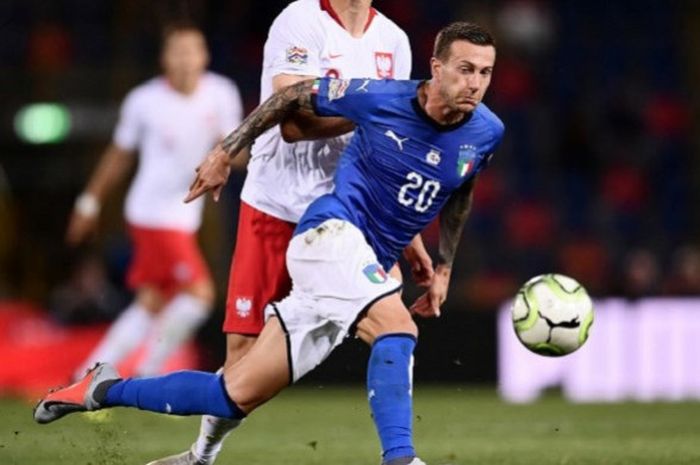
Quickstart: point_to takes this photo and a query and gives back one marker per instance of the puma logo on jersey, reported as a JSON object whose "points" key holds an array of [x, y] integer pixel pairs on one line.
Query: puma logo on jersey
{"points": [[363, 86], [392, 135]]}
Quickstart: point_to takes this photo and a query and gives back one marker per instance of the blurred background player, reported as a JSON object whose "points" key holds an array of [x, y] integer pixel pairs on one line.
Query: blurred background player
{"points": [[170, 120], [309, 38]]}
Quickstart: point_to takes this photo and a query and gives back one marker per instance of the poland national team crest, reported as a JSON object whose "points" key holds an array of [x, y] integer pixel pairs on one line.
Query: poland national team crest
{"points": [[465, 161], [385, 65], [243, 306]]}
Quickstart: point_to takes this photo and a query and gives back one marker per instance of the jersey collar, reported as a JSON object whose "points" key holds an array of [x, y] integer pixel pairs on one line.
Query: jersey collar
{"points": [[327, 7], [425, 116]]}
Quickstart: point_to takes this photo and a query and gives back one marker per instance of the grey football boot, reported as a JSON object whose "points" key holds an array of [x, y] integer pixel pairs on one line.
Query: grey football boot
{"points": [[84, 395]]}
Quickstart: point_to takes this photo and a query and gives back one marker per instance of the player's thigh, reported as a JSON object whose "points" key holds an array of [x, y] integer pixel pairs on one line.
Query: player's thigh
{"points": [[168, 260], [395, 272], [386, 316], [202, 289], [237, 346], [263, 372]]}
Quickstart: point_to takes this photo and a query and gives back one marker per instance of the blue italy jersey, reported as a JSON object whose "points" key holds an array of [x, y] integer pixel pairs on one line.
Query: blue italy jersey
{"points": [[400, 166]]}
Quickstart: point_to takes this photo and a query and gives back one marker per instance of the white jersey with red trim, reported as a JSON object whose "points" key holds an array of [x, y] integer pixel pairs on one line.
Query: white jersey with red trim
{"points": [[308, 39], [173, 132]]}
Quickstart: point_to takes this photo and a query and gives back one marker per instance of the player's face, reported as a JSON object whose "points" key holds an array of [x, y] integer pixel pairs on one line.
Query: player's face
{"points": [[185, 54], [466, 74]]}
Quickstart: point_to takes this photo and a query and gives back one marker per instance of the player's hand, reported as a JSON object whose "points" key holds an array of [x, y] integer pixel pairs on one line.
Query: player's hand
{"points": [[420, 262], [428, 305], [212, 175], [80, 228], [84, 219]]}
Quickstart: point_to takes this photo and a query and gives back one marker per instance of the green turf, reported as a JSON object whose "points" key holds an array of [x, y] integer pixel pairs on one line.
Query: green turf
{"points": [[308, 426]]}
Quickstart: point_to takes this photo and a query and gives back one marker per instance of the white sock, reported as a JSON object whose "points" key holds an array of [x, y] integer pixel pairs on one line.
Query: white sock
{"points": [[175, 324], [212, 432], [125, 334]]}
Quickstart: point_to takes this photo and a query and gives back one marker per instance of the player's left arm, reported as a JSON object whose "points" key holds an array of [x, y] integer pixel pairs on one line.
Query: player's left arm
{"points": [[215, 170], [452, 218]]}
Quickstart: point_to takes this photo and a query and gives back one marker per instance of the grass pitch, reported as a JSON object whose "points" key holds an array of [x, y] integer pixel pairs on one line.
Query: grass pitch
{"points": [[332, 426]]}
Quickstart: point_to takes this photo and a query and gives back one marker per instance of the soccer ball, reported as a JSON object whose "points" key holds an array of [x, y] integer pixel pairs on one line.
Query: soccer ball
{"points": [[552, 314]]}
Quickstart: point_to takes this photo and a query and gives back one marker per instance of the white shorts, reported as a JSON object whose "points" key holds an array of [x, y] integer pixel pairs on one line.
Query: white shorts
{"points": [[335, 277]]}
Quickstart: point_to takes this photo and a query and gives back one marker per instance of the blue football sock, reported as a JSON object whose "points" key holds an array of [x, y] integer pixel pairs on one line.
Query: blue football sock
{"points": [[390, 397], [179, 393]]}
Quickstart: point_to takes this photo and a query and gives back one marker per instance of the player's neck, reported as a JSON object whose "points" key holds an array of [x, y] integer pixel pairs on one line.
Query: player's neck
{"points": [[435, 106], [353, 14], [185, 85]]}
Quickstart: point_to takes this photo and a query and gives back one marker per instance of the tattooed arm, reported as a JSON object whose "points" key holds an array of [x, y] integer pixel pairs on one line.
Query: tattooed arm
{"points": [[452, 218], [270, 113], [214, 171]]}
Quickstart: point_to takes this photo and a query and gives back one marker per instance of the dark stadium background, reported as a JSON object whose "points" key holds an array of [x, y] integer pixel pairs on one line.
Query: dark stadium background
{"points": [[597, 176]]}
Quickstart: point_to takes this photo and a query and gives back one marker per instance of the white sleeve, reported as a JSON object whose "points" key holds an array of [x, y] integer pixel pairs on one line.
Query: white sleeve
{"points": [[293, 45], [404, 58], [231, 108], [127, 133]]}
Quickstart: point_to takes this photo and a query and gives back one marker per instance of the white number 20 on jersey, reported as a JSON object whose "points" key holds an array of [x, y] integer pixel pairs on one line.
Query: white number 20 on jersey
{"points": [[428, 190]]}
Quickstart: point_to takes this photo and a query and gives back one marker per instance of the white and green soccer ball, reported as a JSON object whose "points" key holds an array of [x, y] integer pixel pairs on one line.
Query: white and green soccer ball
{"points": [[552, 314]]}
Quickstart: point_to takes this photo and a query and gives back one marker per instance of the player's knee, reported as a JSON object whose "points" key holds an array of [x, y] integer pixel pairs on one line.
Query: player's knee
{"points": [[203, 290], [404, 324], [385, 319], [244, 393], [150, 299], [396, 322]]}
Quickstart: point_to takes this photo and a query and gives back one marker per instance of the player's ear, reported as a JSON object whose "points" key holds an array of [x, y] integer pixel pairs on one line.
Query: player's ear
{"points": [[435, 67]]}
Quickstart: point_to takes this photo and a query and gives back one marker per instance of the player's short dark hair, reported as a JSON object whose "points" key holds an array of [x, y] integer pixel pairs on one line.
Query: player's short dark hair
{"points": [[460, 30], [174, 27]]}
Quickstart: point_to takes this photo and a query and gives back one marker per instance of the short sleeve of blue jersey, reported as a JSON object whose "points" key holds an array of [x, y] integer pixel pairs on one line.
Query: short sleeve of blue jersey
{"points": [[353, 99], [498, 129]]}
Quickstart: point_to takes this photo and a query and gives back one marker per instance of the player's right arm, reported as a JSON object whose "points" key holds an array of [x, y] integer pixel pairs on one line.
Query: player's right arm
{"points": [[115, 164], [335, 97], [305, 125], [213, 173]]}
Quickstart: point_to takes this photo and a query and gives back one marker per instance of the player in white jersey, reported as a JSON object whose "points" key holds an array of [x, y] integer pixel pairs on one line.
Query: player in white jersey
{"points": [[169, 120], [309, 38]]}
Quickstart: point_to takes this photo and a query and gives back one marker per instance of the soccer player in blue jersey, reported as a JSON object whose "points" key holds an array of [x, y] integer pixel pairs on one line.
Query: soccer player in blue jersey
{"points": [[417, 149]]}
